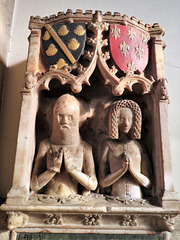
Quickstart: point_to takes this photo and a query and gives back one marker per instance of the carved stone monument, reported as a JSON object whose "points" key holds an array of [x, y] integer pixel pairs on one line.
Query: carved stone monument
{"points": [[128, 165], [67, 154], [93, 151]]}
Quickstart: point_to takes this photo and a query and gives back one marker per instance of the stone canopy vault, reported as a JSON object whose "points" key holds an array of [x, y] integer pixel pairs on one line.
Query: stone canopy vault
{"points": [[103, 66]]}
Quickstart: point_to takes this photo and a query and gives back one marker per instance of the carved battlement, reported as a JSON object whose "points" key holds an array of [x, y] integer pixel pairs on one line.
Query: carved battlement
{"points": [[93, 140], [88, 16]]}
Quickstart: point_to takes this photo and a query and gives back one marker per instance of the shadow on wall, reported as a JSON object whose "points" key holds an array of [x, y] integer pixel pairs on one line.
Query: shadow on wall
{"points": [[3, 70], [13, 84]]}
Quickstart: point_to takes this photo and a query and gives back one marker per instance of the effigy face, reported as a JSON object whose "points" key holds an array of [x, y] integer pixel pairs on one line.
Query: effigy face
{"points": [[93, 138]]}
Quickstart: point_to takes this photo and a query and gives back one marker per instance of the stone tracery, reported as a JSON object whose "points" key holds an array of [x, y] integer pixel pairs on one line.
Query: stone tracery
{"points": [[101, 87]]}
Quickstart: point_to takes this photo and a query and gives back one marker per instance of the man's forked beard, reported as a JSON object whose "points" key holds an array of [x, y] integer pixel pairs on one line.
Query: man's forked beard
{"points": [[65, 135]]}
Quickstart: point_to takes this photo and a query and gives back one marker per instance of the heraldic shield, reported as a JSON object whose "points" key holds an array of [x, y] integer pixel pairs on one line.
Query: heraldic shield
{"points": [[129, 48], [63, 43]]}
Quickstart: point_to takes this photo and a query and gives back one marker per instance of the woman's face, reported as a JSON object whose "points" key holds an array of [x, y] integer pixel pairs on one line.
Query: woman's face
{"points": [[125, 120]]}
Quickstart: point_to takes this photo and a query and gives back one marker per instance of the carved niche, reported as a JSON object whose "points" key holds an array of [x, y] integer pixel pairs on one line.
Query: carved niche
{"points": [[93, 140]]}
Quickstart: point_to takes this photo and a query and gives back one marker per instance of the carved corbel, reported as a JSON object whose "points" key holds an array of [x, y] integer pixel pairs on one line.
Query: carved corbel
{"points": [[162, 89], [16, 219], [166, 222], [30, 80]]}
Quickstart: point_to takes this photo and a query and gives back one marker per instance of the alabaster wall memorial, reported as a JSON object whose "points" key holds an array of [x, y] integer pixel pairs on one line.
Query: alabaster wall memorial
{"points": [[93, 152]]}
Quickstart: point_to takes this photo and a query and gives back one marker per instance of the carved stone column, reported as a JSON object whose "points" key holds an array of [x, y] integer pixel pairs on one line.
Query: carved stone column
{"points": [[34, 49], [157, 55], [26, 135], [170, 197], [25, 150], [97, 82], [162, 110]]}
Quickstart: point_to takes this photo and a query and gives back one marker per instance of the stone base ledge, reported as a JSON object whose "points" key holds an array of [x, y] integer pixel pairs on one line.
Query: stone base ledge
{"points": [[94, 212]]}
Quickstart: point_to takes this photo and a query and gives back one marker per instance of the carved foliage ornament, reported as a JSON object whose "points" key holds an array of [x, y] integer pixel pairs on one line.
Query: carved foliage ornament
{"points": [[124, 59], [53, 219], [74, 62], [129, 220], [92, 220], [74, 49]]}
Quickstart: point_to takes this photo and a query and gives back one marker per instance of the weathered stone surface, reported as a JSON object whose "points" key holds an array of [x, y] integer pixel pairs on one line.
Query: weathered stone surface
{"points": [[59, 153]]}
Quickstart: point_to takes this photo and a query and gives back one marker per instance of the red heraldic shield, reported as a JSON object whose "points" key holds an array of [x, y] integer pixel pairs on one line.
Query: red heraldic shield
{"points": [[129, 48]]}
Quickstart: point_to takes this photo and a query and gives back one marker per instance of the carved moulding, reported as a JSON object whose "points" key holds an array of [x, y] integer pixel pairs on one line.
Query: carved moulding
{"points": [[75, 75], [124, 82], [53, 219], [104, 214], [130, 220], [85, 213], [110, 72], [16, 219], [99, 25], [117, 220]]}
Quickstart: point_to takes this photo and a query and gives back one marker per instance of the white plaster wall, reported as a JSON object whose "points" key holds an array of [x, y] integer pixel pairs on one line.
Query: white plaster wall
{"points": [[6, 10], [166, 12]]}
